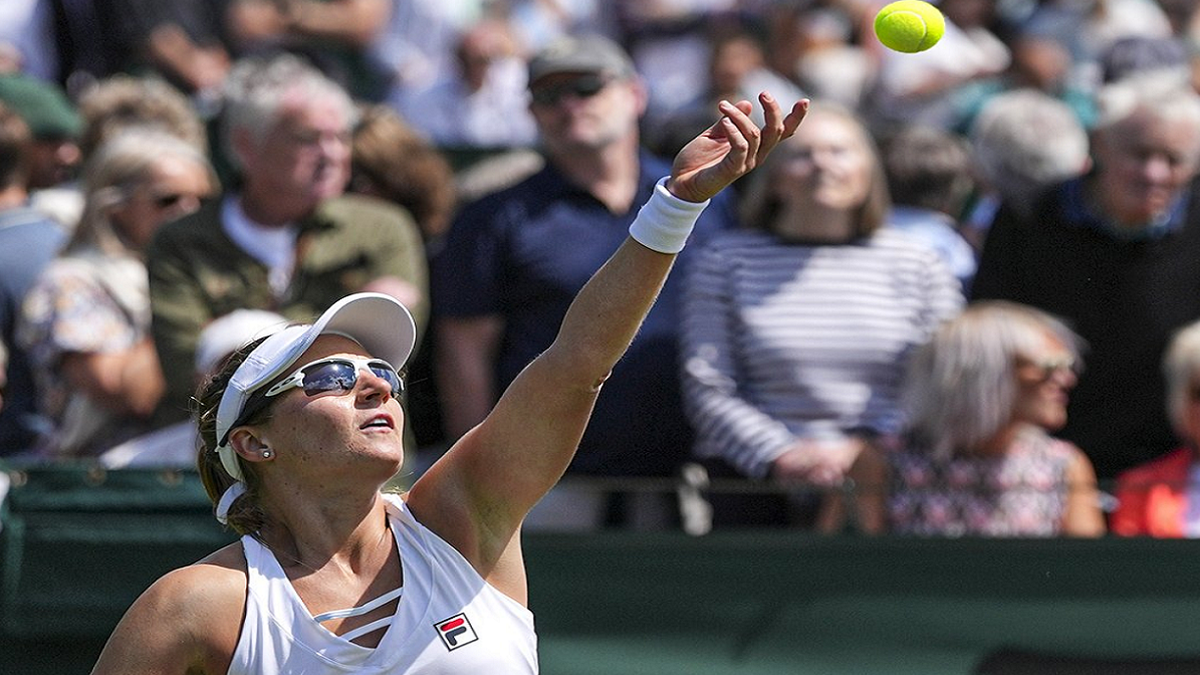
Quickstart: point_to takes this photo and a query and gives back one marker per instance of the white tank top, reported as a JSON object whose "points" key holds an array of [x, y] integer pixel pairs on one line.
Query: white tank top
{"points": [[449, 620]]}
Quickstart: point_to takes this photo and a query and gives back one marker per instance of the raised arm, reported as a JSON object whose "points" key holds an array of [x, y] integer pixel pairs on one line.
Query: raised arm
{"points": [[502, 467]]}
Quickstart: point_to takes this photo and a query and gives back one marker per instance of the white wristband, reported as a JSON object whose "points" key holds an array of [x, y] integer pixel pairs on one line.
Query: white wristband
{"points": [[664, 223]]}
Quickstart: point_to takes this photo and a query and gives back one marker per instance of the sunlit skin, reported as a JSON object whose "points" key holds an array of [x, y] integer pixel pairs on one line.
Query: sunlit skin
{"points": [[1042, 395], [331, 435], [1145, 163], [153, 203]]}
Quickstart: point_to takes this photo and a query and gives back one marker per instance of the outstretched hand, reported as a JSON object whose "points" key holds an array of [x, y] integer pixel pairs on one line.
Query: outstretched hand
{"points": [[730, 148]]}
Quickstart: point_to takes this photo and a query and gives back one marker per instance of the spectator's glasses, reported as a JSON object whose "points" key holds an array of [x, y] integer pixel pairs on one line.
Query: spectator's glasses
{"points": [[1048, 367], [166, 201], [584, 86], [337, 373]]}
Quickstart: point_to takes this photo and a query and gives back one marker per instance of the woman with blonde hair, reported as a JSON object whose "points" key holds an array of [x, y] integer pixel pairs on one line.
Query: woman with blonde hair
{"points": [[86, 321], [978, 457]]}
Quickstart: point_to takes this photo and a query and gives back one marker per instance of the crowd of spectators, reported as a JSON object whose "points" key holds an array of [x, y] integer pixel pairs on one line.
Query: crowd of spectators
{"points": [[166, 165]]}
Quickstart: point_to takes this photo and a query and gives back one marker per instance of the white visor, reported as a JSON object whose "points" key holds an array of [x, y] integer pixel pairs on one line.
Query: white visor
{"points": [[378, 322]]}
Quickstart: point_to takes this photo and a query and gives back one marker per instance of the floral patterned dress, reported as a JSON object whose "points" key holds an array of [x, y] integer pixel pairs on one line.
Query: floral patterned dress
{"points": [[1020, 493], [83, 303]]}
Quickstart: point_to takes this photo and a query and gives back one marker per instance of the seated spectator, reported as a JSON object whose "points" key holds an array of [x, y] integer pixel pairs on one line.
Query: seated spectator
{"points": [[1117, 254], [287, 238], [86, 321], [123, 101], [391, 161], [110, 106], [1023, 142], [175, 445], [978, 458], [54, 155], [484, 104], [795, 333], [1161, 497], [929, 177], [29, 239]]}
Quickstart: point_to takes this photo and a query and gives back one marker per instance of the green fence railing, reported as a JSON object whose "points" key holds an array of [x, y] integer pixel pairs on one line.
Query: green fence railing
{"points": [[79, 544]]}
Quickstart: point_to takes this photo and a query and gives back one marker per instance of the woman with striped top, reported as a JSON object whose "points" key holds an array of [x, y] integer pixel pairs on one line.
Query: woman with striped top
{"points": [[796, 330]]}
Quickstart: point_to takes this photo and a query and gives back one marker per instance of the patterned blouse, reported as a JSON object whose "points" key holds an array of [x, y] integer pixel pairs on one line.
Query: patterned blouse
{"points": [[1020, 493], [85, 303]]}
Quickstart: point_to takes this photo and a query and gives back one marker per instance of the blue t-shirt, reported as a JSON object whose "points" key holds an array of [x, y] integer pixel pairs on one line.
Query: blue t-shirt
{"points": [[524, 253]]}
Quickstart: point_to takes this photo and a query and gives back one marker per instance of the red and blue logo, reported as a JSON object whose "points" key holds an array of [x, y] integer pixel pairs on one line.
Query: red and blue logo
{"points": [[456, 631]]}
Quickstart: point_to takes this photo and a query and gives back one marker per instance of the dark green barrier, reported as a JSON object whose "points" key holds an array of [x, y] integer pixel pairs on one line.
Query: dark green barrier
{"points": [[78, 546]]}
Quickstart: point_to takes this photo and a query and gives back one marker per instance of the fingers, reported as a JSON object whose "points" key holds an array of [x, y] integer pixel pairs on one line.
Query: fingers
{"points": [[744, 136], [778, 127], [792, 121]]}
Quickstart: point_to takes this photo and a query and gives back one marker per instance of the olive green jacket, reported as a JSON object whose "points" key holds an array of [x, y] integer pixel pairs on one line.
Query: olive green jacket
{"points": [[197, 273]]}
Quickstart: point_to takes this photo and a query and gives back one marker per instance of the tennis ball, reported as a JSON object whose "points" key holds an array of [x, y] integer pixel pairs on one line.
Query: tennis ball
{"points": [[909, 26]]}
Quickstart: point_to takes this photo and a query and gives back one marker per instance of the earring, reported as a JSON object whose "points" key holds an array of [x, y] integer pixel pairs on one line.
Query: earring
{"points": [[267, 454]]}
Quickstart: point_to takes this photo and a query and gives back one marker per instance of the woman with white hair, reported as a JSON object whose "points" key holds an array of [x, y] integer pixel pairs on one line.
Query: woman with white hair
{"points": [[86, 322], [978, 458], [1161, 497]]}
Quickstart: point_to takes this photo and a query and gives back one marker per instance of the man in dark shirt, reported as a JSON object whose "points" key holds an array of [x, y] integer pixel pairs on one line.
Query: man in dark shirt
{"points": [[1117, 254], [513, 260]]}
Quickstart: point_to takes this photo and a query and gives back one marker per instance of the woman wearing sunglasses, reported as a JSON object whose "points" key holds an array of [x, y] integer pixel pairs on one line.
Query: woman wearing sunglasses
{"points": [[86, 321], [978, 458], [302, 430]]}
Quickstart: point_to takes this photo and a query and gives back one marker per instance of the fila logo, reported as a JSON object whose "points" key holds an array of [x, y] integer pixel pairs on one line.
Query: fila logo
{"points": [[456, 631]]}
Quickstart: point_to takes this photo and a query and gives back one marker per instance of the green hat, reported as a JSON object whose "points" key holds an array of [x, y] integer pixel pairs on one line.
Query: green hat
{"points": [[43, 105]]}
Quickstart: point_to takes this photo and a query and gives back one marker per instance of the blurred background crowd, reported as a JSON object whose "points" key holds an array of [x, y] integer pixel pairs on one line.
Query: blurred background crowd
{"points": [[962, 300]]}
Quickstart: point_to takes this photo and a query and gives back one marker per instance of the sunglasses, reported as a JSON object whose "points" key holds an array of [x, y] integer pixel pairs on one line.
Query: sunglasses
{"points": [[584, 86], [1051, 365], [168, 200], [337, 373]]}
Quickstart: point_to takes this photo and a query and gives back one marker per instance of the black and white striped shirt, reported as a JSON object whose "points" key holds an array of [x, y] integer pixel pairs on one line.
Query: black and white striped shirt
{"points": [[784, 341]]}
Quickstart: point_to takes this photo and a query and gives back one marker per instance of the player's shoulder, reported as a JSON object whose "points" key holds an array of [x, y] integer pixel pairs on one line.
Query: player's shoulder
{"points": [[216, 583]]}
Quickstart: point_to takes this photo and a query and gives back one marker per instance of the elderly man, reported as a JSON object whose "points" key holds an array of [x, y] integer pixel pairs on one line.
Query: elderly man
{"points": [[288, 239], [513, 261], [1117, 254]]}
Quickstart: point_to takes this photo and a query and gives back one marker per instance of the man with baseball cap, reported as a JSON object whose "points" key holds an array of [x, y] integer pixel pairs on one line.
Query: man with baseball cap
{"points": [[513, 261]]}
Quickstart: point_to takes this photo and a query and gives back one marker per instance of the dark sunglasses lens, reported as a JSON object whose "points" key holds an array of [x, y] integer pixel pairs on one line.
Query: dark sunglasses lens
{"points": [[389, 375], [167, 201], [586, 86], [330, 376]]}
